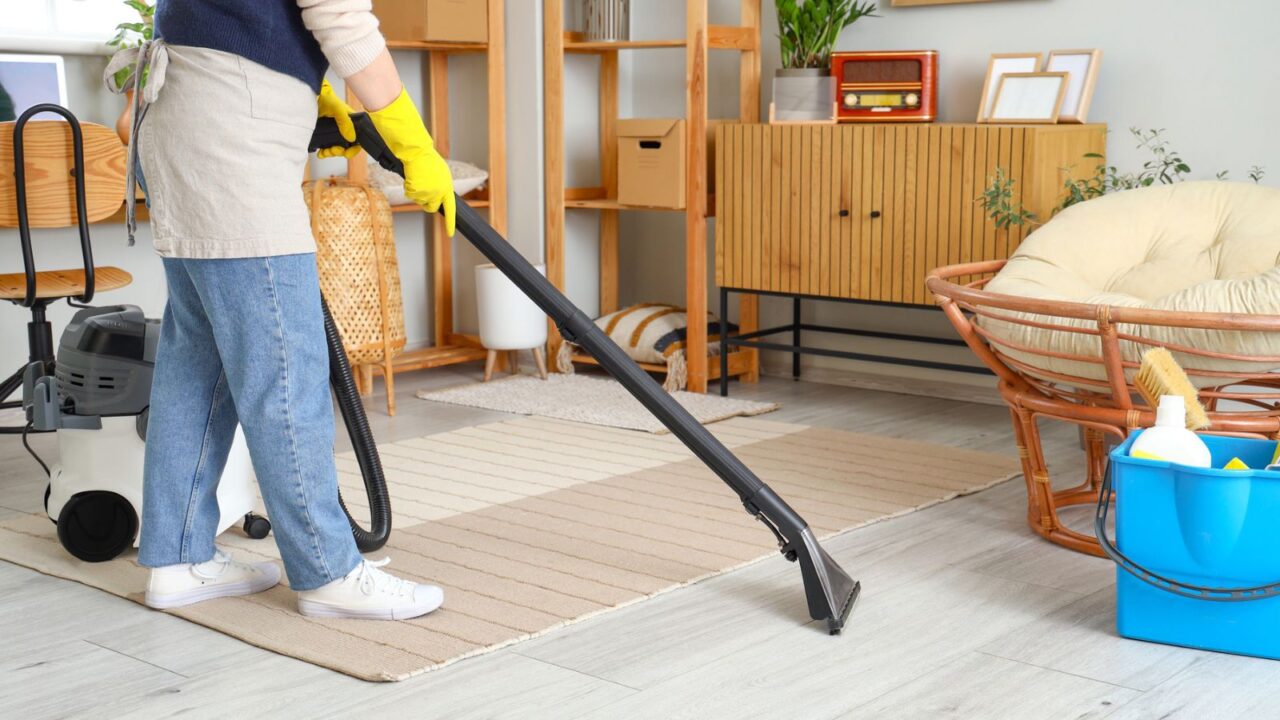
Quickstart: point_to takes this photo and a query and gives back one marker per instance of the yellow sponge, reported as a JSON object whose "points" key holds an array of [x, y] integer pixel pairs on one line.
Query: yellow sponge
{"points": [[1235, 464], [1144, 455]]}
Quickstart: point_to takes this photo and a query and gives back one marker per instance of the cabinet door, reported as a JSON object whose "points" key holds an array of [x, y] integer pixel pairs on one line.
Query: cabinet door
{"points": [[786, 217], [742, 210]]}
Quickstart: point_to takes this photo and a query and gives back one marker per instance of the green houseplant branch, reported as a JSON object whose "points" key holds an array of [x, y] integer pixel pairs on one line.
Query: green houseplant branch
{"points": [[1166, 167], [133, 34], [808, 30]]}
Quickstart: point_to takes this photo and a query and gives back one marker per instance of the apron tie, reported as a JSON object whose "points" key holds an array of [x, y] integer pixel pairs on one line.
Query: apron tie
{"points": [[147, 64]]}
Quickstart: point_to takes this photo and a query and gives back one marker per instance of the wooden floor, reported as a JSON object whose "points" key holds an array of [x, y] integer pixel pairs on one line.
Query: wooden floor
{"points": [[963, 615]]}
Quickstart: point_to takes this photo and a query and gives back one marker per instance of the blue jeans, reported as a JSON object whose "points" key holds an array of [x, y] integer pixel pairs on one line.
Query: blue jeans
{"points": [[243, 341]]}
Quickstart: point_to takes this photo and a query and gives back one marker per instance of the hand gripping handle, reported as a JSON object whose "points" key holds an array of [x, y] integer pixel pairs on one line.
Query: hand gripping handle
{"points": [[327, 135]]}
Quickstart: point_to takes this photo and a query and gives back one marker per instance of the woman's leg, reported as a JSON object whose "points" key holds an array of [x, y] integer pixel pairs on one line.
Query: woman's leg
{"points": [[190, 429], [267, 323]]}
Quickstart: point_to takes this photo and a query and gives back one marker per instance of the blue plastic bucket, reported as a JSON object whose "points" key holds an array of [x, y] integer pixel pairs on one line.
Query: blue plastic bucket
{"points": [[1198, 550]]}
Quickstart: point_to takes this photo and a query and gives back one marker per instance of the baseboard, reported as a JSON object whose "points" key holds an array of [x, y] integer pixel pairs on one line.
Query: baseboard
{"points": [[962, 387]]}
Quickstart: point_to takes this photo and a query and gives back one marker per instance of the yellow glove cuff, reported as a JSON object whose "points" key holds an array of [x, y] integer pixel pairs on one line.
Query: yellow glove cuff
{"points": [[401, 127]]}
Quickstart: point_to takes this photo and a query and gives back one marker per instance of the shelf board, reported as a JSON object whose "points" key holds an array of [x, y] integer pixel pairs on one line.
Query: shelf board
{"points": [[737, 364], [414, 207], [719, 37], [611, 204], [433, 357], [608, 45], [437, 46]]}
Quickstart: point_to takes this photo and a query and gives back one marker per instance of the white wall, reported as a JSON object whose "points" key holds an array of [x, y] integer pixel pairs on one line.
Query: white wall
{"points": [[467, 92], [1203, 73]]}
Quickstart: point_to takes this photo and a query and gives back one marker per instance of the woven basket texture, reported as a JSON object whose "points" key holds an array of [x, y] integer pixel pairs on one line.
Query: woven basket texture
{"points": [[359, 273]]}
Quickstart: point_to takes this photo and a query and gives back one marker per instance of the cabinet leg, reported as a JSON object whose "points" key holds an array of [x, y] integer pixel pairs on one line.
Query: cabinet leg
{"points": [[724, 343], [795, 338], [490, 360], [541, 361]]}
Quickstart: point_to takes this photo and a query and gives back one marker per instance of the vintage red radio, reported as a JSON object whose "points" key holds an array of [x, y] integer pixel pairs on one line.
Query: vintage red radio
{"points": [[886, 86]]}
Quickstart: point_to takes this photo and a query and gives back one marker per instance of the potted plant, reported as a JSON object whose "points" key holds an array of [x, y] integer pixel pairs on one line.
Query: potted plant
{"points": [[804, 89], [131, 35]]}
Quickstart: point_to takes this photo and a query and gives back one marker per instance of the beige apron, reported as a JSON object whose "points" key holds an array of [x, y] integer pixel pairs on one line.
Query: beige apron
{"points": [[222, 143]]}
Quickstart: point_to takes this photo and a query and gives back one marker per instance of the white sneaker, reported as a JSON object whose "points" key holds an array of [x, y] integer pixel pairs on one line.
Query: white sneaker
{"points": [[371, 594], [177, 585]]}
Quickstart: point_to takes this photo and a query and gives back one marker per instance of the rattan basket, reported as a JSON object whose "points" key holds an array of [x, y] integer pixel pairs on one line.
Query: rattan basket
{"points": [[359, 273]]}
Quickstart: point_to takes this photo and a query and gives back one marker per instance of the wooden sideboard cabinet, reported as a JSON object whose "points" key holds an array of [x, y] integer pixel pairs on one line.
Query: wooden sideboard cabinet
{"points": [[863, 212]]}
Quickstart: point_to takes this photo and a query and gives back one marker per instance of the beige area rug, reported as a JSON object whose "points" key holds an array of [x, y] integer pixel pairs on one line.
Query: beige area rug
{"points": [[591, 400], [533, 524]]}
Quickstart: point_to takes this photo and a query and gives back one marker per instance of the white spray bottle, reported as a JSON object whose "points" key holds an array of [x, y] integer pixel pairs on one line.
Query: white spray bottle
{"points": [[1170, 439]]}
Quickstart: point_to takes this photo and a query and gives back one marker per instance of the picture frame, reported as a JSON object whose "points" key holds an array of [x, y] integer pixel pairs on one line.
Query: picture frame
{"points": [[1034, 97], [1082, 67], [997, 66]]}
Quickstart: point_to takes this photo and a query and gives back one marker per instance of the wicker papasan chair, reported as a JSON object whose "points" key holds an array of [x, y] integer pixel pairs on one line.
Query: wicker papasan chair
{"points": [[1193, 267]]}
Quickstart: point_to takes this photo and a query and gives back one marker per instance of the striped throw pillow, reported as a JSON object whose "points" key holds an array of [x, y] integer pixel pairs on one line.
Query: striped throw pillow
{"points": [[651, 333]]}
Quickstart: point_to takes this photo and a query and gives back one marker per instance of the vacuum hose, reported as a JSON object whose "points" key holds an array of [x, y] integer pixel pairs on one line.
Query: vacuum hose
{"points": [[375, 484], [344, 387]]}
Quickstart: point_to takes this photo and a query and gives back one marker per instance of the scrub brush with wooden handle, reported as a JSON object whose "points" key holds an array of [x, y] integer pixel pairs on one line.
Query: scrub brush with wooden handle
{"points": [[1160, 375]]}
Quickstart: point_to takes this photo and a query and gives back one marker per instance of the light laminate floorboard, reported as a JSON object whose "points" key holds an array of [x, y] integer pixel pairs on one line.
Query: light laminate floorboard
{"points": [[964, 614]]}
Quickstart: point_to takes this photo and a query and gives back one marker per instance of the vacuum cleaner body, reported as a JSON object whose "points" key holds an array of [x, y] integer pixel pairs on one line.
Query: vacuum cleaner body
{"points": [[98, 400]]}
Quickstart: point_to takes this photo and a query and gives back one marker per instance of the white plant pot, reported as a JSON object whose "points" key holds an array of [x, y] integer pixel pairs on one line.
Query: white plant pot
{"points": [[508, 319], [803, 94]]}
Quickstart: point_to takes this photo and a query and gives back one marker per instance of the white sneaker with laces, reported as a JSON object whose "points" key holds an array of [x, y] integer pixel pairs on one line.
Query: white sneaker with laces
{"points": [[173, 586], [372, 594]]}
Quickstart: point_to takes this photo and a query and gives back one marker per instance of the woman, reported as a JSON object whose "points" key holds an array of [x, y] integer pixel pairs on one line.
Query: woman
{"points": [[231, 89]]}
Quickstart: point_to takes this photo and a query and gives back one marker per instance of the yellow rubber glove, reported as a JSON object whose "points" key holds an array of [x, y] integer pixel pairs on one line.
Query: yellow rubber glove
{"points": [[329, 105], [427, 180]]}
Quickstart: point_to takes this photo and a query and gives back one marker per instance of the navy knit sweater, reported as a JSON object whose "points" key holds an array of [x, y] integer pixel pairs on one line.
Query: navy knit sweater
{"points": [[268, 32]]}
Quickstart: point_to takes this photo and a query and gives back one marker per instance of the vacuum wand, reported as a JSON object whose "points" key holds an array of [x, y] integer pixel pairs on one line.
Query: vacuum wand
{"points": [[830, 591]]}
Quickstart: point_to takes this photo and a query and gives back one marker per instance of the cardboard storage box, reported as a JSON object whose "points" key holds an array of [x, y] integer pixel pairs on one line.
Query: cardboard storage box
{"points": [[433, 20], [651, 161]]}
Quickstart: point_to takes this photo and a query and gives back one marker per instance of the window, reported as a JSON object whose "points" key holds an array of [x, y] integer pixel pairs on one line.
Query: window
{"points": [[70, 26]]}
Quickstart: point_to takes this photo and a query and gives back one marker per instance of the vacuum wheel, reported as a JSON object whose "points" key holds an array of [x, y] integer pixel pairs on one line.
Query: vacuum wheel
{"points": [[97, 526], [256, 526]]}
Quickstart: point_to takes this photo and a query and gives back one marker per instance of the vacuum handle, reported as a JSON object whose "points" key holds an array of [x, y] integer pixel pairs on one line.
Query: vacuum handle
{"points": [[326, 135]]}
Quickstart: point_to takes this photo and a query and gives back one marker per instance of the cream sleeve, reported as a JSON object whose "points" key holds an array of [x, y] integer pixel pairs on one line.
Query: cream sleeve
{"points": [[347, 31]]}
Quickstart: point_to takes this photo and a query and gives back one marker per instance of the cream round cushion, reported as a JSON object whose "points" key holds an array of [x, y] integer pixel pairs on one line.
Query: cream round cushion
{"points": [[1190, 247]]}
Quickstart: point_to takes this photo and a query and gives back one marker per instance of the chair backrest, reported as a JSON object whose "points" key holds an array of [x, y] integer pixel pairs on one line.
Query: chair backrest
{"points": [[48, 160]]}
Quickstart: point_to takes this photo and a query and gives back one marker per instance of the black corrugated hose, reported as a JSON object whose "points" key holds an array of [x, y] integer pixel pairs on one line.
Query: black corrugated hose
{"points": [[375, 485]]}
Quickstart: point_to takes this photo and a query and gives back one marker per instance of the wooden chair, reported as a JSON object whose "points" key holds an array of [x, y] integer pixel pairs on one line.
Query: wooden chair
{"points": [[1103, 407], [55, 174]]}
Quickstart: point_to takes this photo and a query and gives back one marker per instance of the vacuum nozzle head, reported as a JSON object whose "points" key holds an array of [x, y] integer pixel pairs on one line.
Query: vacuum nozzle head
{"points": [[829, 589]]}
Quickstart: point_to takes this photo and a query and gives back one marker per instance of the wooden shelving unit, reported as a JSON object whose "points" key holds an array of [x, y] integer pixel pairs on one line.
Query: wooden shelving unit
{"points": [[699, 38], [450, 347]]}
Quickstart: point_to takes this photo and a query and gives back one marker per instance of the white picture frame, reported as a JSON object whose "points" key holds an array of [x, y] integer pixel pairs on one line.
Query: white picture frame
{"points": [[1082, 69], [1034, 97], [997, 66]]}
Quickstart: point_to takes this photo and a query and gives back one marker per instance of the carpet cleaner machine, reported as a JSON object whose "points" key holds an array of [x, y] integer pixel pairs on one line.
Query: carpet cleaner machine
{"points": [[96, 491]]}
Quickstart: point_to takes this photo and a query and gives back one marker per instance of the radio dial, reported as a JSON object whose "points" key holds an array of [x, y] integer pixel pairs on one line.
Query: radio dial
{"points": [[912, 99], [851, 100]]}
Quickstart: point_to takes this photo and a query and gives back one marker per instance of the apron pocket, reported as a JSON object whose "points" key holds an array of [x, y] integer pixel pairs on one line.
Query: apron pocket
{"points": [[277, 97]]}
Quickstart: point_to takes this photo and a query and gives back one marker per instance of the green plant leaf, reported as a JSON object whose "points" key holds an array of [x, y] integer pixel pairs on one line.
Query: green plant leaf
{"points": [[813, 28]]}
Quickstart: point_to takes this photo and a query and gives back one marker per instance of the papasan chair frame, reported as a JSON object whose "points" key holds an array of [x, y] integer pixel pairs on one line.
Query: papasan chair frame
{"points": [[1099, 407]]}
